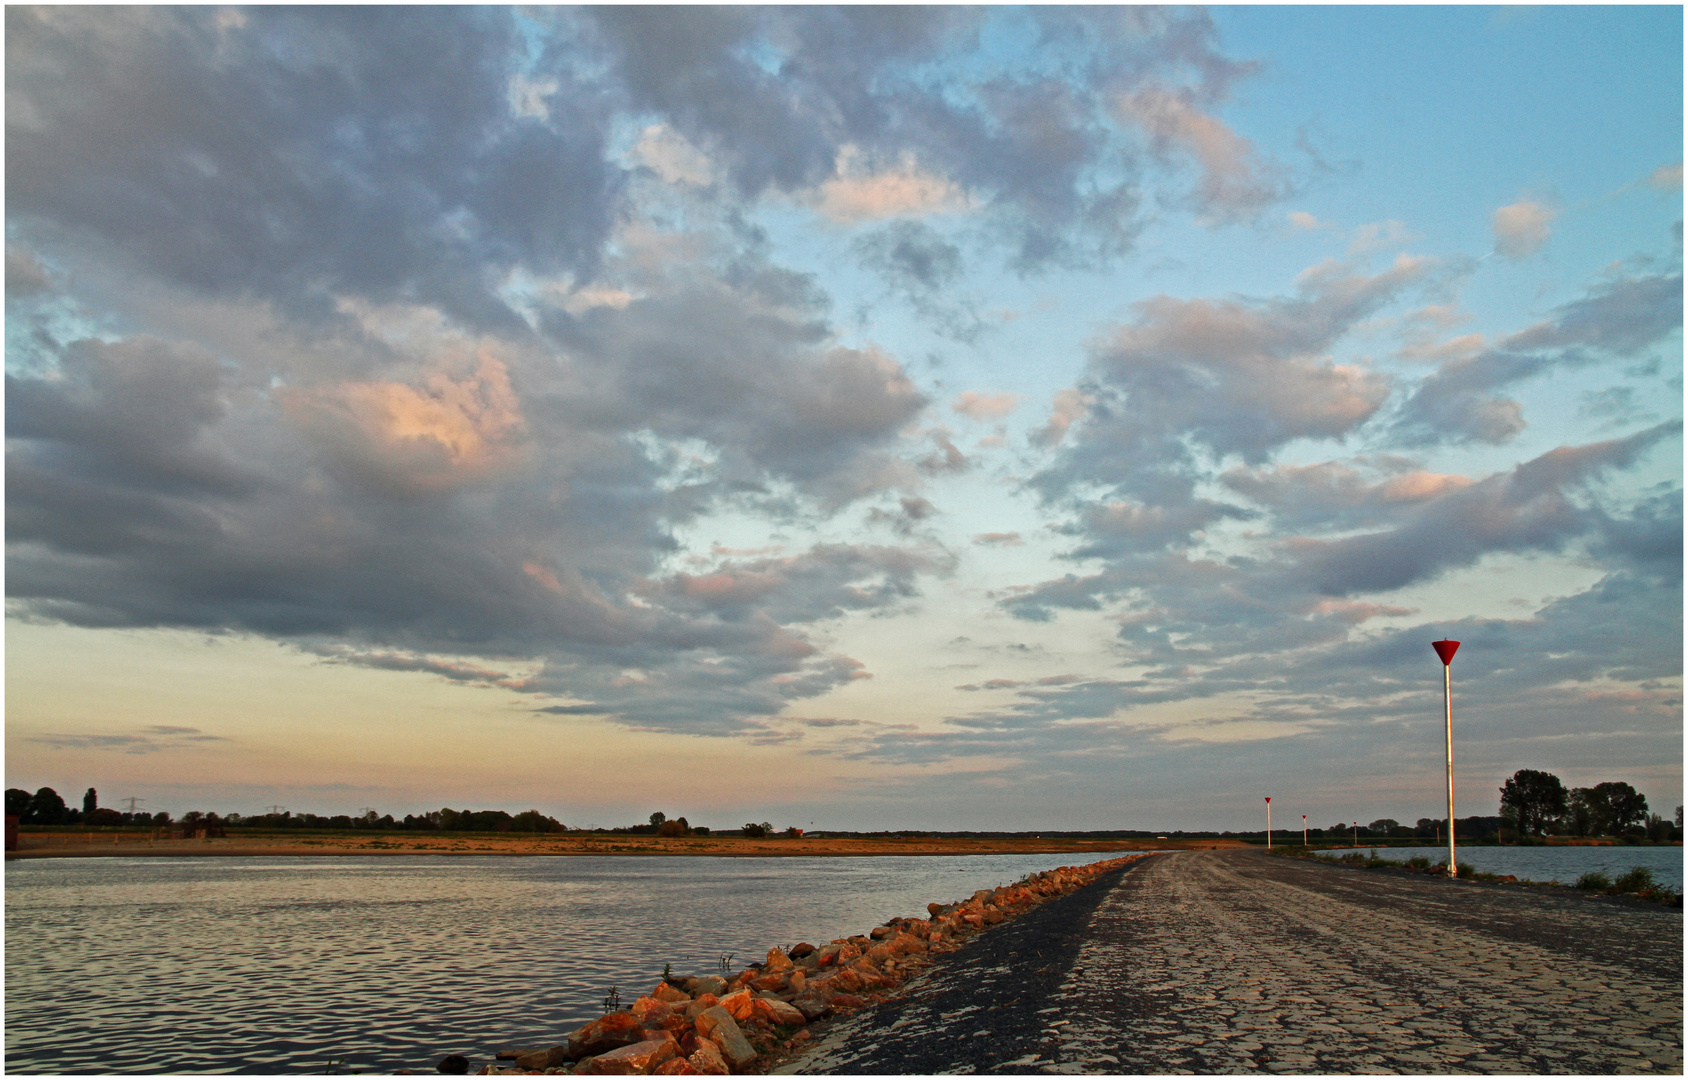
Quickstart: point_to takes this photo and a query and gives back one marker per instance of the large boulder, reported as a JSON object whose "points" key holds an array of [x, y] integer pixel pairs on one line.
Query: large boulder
{"points": [[778, 1013], [801, 949], [641, 1058], [675, 1066], [737, 1005], [718, 1026], [707, 1060], [704, 1001], [604, 1034], [777, 961], [666, 991], [708, 984]]}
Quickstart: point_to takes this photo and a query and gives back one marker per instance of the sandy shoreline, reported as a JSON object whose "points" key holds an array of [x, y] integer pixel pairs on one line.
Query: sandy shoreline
{"points": [[95, 845]]}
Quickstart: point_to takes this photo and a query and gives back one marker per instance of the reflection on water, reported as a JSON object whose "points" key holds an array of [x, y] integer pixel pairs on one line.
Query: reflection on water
{"points": [[1554, 863], [283, 964]]}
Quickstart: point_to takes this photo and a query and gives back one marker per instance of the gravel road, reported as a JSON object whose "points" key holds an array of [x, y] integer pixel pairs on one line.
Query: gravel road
{"points": [[1232, 961]]}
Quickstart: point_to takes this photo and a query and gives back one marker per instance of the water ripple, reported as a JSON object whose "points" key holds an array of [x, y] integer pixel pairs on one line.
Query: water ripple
{"points": [[281, 965]]}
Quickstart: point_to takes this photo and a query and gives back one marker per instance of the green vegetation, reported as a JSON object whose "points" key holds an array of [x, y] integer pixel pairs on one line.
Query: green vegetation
{"points": [[1638, 882]]}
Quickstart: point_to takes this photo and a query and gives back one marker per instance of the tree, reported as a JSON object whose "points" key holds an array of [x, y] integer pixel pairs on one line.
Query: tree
{"points": [[1626, 806], [1383, 826], [1534, 799], [17, 801], [90, 802], [1585, 812], [46, 807], [657, 819], [753, 830]]}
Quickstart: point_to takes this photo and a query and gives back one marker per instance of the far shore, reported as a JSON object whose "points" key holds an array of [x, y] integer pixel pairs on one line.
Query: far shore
{"points": [[81, 845]]}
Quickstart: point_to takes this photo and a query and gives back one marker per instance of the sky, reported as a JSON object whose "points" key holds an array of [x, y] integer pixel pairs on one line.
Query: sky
{"points": [[856, 418]]}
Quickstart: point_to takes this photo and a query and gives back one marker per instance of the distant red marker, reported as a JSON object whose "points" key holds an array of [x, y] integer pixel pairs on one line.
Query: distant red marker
{"points": [[1446, 649]]}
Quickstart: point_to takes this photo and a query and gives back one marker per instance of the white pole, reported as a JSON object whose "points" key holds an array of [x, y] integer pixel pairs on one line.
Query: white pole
{"points": [[1448, 705], [1268, 823]]}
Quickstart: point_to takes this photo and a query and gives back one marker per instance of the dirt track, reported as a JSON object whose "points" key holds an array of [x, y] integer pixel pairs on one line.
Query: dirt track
{"points": [[1231, 961]]}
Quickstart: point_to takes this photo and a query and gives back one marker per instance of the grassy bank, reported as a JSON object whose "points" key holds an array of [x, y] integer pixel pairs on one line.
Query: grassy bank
{"points": [[1637, 882]]}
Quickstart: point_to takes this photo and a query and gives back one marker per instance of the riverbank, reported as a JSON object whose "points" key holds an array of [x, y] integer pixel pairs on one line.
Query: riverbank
{"points": [[81, 845]]}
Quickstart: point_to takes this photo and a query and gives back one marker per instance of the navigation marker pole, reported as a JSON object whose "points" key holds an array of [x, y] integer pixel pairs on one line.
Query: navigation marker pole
{"points": [[1446, 649], [1303, 830], [1268, 823]]}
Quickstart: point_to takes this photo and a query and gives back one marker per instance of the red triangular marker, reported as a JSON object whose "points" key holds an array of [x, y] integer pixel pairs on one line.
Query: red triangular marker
{"points": [[1445, 649]]}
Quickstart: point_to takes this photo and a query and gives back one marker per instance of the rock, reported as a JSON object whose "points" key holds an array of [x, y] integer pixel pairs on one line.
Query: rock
{"points": [[812, 1003], [777, 961], [847, 953], [543, 1059], [881, 951], [706, 1059], [641, 1058], [606, 1033], [981, 897], [771, 983], [879, 932], [846, 1001], [993, 915], [704, 1001], [648, 1007], [779, 1013], [800, 950], [454, 1065], [737, 1004], [678, 1066], [709, 984], [672, 994], [798, 980], [719, 1027]]}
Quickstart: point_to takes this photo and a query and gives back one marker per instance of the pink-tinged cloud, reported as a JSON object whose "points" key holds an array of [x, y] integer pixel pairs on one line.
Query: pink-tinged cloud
{"points": [[1520, 230], [1070, 406], [445, 433], [903, 189], [999, 539], [1235, 182], [978, 406]]}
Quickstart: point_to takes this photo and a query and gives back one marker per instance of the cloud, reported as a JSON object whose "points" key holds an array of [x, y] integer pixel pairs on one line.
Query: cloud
{"points": [[999, 539], [1666, 177], [152, 739], [671, 157], [859, 194], [1302, 220], [444, 433], [1228, 376], [1528, 509], [297, 154], [981, 406], [1377, 235], [1235, 181], [1618, 318], [1521, 229]]}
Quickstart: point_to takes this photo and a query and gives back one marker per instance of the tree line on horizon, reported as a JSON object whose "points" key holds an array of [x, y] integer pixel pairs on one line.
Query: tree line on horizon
{"points": [[48, 807]]}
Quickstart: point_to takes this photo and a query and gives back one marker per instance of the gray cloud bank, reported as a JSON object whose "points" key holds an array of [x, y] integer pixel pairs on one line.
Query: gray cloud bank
{"points": [[353, 327]]}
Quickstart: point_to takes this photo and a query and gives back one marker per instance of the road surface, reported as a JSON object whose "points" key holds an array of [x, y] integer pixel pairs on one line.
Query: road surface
{"points": [[1234, 961]]}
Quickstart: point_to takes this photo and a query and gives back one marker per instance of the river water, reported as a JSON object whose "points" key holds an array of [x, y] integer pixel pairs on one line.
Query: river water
{"points": [[278, 965], [1561, 863]]}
